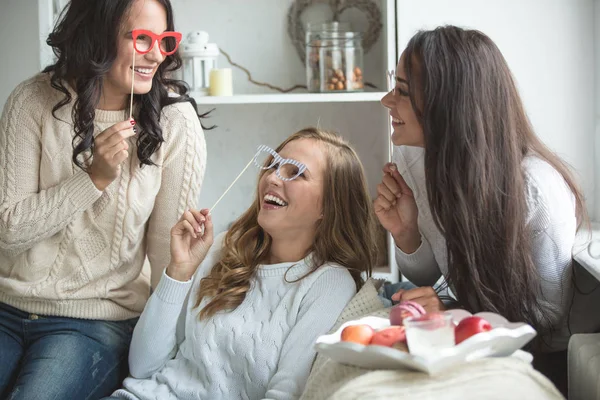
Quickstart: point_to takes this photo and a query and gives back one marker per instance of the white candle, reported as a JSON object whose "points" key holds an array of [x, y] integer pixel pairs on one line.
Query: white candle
{"points": [[221, 82]]}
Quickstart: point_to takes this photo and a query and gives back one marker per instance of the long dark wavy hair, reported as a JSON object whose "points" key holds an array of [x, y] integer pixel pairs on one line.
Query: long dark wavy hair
{"points": [[477, 135], [85, 44]]}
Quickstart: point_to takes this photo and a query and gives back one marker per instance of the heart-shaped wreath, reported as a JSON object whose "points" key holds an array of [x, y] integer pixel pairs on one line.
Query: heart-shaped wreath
{"points": [[368, 7]]}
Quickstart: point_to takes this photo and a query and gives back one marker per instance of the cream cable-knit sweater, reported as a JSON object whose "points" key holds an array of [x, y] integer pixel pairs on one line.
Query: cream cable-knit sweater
{"points": [[67, 249], [263, 349]]}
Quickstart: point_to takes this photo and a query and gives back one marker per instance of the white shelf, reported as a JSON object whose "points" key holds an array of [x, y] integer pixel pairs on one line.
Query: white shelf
{"points": [[290, 98]]}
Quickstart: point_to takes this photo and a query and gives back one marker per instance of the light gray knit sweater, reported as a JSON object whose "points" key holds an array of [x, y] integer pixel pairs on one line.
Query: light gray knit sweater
{"points": [[262, 349], [551, 220]]}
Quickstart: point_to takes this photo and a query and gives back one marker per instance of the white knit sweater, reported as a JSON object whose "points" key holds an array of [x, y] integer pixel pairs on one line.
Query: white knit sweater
{"points": [[551, 219], [261, 350], [67, 249]]}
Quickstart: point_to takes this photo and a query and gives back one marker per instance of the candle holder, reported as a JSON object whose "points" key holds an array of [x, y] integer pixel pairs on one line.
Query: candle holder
{"points": [[199, 58]]}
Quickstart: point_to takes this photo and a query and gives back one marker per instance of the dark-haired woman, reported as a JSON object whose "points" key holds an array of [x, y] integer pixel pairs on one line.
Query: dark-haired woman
{"points": [[87, 194], [473, 194]]}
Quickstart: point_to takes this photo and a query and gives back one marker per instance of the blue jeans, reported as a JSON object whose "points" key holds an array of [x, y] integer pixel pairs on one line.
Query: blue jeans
{"points": [[61, 358], [388, 289]]}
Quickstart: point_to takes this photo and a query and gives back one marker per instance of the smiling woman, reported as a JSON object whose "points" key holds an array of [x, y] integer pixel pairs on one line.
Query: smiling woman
{"points": [[474, 196], [99, 68], [238, 318], [96, 194]]}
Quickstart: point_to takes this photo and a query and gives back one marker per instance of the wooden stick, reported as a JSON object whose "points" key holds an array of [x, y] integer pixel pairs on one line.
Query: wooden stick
{"points": [[132, 81], [230, 186]]}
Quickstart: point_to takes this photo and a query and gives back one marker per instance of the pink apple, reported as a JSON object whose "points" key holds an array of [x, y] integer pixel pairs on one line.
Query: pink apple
{"points": [[403, 310]]}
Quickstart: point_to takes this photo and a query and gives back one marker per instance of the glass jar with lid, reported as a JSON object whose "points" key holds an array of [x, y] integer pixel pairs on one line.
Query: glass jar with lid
{"points": [[334, 58]]}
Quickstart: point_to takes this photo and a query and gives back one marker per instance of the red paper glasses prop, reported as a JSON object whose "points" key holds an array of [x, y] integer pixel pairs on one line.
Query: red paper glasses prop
{"points": [[143, 41]]}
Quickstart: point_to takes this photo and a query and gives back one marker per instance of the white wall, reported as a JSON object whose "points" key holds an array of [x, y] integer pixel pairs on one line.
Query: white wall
{"points": [[19, 45], [549, 46], [254, 33]]}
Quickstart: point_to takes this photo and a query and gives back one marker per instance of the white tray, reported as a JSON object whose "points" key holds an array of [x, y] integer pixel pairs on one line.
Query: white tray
{"points": [[503, 340]]}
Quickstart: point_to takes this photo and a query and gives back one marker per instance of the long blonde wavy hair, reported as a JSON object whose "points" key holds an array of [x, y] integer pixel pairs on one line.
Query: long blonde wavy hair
{"points": [[345, 235]]}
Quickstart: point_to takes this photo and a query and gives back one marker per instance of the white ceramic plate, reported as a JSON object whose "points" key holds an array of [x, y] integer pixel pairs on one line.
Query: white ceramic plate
{"points": [[503, 340]]}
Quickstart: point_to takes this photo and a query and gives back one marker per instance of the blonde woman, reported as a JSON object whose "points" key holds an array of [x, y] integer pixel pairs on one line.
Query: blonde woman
{"points": [[238, 318]]}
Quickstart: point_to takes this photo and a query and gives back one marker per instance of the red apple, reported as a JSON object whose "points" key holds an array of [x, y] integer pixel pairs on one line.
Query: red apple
{"points": [[470, 326], [361, 334], [389, 336]]}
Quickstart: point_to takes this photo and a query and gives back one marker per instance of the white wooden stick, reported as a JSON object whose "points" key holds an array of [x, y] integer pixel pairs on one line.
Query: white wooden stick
{"points": [[391, 78], [230, 186], [132, 81]]}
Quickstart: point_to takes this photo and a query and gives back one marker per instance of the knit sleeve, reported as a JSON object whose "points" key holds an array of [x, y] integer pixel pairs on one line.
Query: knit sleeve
{"points": [[29, 215], [419, 267], [156, 335], [161, 327], [552, 254], [553, 225], [319, 310], [182, 175]]}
